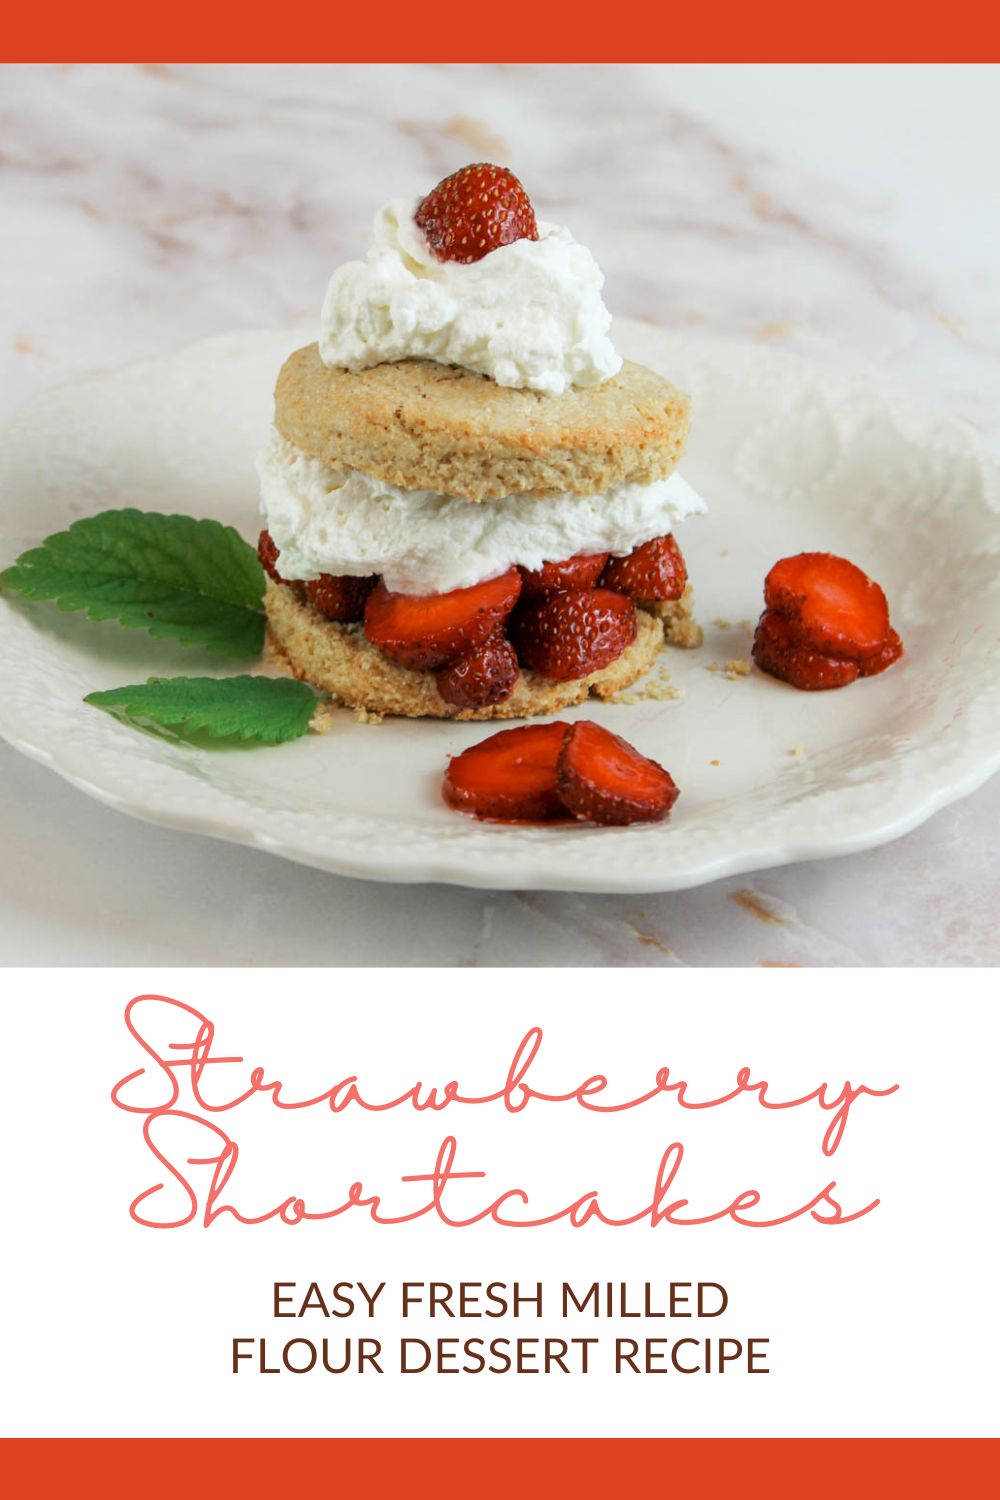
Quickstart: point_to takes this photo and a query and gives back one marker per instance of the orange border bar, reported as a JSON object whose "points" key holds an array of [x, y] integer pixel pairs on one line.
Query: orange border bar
{"points": [[817, 1468], [519, 31]]}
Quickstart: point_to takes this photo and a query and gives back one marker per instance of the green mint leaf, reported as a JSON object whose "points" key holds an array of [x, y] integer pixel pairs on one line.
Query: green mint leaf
{"points": [[197, 582], [269, 710]]}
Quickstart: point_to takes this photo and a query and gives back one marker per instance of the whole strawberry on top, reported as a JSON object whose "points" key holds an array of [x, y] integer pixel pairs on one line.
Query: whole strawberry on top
{"points": [[475, 210]]}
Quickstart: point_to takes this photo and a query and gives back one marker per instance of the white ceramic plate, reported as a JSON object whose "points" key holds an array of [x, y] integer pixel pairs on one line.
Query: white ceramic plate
{"points": [[791, 457]]}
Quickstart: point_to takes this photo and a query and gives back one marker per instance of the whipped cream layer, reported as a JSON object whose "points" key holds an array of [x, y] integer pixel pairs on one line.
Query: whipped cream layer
{"points": [[528, 315], [325, 520]]}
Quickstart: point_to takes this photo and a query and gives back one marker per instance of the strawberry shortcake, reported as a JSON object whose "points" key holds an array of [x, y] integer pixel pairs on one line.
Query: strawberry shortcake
{"points": [[470, 497]]}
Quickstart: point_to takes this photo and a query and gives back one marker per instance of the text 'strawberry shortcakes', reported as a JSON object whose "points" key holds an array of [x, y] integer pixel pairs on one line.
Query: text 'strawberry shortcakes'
{"points": [[469, 496]]}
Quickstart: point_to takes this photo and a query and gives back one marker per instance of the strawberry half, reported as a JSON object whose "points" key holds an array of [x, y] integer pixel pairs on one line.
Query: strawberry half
{"points": [[556, 577], [835, 607], [481, 677], [339, 596], [890, 652], [572, 635], [656, 570], [511, 776], [603, 778], [475, 210], [268, 554], [423, 631], [777, 649]]}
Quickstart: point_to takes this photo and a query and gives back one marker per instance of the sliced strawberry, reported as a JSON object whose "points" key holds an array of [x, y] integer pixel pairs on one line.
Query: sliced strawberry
{"points": [[572, 635], [422, 631], [656, 570], [268, 554], [777, 649], [475, 210], [339, 596], [890, 652], [835, 606], [481, 677], [603, 778], [510, 776], [555, 577]]}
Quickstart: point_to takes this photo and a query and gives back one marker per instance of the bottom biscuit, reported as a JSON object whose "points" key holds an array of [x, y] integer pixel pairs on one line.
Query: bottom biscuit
{"points": [[342, 661]]}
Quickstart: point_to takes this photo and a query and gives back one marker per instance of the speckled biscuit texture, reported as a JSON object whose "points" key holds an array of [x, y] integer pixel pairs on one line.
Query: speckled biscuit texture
{"points": [[342, 661], [420, 425], [679, 624]]}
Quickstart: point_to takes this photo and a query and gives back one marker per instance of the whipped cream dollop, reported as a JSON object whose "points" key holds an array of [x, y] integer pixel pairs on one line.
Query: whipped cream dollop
{"points": [[528, 315], [325, 520]]}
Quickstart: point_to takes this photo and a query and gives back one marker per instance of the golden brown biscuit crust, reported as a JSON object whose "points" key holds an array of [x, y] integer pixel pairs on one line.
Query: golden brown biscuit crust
{"points": [[420, 425], [341, 660]]}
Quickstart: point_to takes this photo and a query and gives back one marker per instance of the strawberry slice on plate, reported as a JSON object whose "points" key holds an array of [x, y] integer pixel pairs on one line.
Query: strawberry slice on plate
{"points": [[423, 631], [544, 772], [835, 608], [481, 677], [509, 777], [656, 570], [558, 577], [779, 651], [339, 596], [602, 778], [890, 652], [572, 635], [475, 210]]}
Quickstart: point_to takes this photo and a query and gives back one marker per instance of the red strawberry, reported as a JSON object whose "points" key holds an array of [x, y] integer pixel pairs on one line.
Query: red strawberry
{"points": [[777, 649], [890, 652], [603, 778], [474, 211], [572, 635], [509, 776], [422, 631], [482, 677], [554, 577], [835, 607], [655, 570], [339, 597], [268, 554]]}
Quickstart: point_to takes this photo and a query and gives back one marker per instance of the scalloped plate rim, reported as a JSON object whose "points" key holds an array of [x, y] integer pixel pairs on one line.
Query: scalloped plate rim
{"points": [[458, 873]]}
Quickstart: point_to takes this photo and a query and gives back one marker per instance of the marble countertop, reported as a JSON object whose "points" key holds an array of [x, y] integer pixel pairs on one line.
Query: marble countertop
{"points": [[850, 214]]}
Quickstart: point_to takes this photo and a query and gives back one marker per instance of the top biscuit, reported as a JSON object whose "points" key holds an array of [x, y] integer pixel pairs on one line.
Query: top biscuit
{"points": [[419, 425]]}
